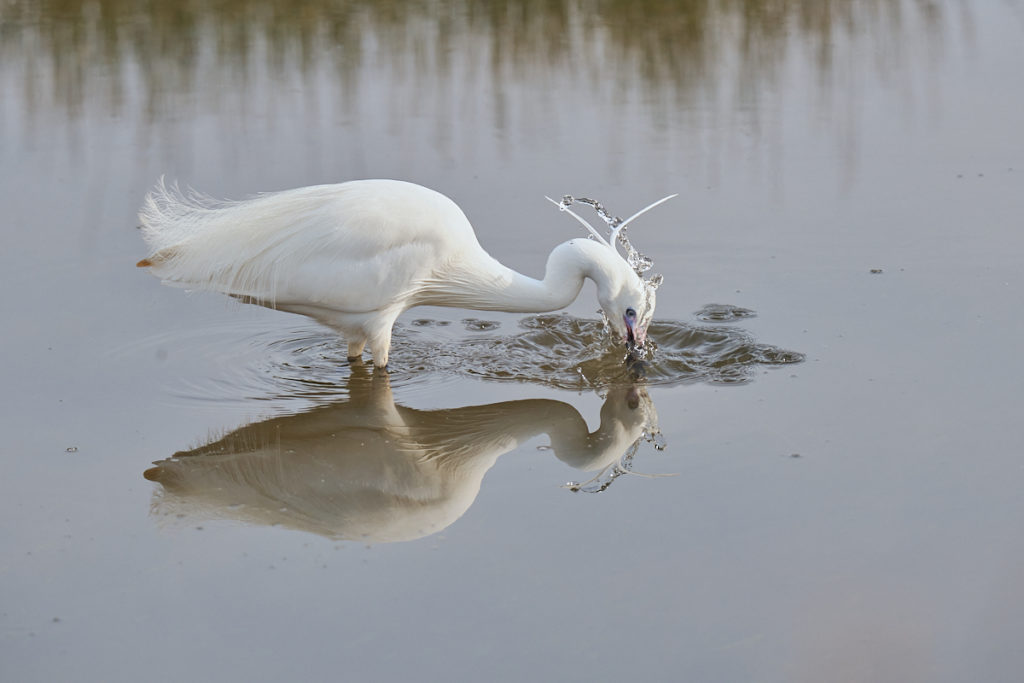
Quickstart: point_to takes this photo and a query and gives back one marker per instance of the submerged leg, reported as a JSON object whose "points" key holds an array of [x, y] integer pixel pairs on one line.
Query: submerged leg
{"points": [[355, 350], [380, 346], [380, 352], [380, 338]]}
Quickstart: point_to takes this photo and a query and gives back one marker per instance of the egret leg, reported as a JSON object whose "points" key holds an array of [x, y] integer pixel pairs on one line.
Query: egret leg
{"points": [[355, 350], [379, 347], [380, 338], [380, 359]]}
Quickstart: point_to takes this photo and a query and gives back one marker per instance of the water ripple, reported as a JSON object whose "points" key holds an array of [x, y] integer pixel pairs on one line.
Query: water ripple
{"points": [[723, 313], [308, 363], [553, 350], [571, 353]]}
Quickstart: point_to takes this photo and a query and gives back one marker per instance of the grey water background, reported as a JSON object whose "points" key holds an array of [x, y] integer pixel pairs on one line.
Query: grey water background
{"points": [[851, 171]]}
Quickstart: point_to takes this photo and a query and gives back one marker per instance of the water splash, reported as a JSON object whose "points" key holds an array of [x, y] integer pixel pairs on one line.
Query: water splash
{"points": [[601, 481], [566, 350], [637, 261]]}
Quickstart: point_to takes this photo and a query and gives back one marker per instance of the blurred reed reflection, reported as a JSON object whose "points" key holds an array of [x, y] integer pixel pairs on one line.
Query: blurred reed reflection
{"points": [[151, 59], [368, 469]]}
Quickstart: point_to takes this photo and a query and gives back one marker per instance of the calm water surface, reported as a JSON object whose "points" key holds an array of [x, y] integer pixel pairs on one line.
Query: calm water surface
{"points": [[198, 489]]}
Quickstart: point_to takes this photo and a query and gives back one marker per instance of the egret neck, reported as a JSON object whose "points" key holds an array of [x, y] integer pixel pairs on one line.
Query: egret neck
{"points": [[485, 284]]}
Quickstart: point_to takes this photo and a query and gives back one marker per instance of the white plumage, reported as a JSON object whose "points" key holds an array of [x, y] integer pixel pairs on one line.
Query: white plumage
{"points": [[355, 255]]}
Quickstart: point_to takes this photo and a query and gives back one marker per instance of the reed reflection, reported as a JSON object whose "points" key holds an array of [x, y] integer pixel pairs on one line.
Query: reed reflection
{"points": [[371, 470], [154, 57]]}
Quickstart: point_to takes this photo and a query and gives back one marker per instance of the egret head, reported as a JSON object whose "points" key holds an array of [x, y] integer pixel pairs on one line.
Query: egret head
{"points": [[627, 299], [628, 304]]}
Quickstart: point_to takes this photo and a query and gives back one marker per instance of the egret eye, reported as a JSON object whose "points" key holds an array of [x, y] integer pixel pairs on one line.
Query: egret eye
{"points": [[630, 313]]}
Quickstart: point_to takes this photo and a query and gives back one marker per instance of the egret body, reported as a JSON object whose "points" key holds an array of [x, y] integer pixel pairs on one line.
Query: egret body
{"points": [[355, 255]]}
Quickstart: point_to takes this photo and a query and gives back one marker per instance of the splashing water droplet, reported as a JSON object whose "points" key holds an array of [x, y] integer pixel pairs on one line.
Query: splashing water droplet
{"points": [[657, 439], [612, 221], [640, 263], [637, 261]]}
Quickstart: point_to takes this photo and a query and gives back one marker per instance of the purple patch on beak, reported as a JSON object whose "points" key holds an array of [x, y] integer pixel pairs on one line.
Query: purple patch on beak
{"points": [[635, 335]]}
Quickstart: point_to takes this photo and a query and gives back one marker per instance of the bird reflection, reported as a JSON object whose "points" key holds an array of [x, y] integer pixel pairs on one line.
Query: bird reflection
{"points": [[368, 469]]}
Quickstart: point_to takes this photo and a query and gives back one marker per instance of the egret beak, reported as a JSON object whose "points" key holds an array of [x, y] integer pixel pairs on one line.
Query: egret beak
{"points": [[635, 336]]}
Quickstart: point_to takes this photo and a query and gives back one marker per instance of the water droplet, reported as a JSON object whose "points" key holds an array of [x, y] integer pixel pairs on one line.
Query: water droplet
{"points": [[637, 261]]}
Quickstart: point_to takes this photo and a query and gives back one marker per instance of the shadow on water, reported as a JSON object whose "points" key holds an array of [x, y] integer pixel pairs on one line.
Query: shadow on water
{"points": [[371, 470], [360, 466]]}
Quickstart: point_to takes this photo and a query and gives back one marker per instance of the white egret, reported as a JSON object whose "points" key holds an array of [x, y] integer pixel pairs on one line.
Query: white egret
{"points": [[355, 255]]}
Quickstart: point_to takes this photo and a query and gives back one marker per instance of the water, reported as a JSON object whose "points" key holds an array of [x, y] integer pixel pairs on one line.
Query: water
{"points": [[304, 364], [357, 465], [815, 476], [365, 468]]}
